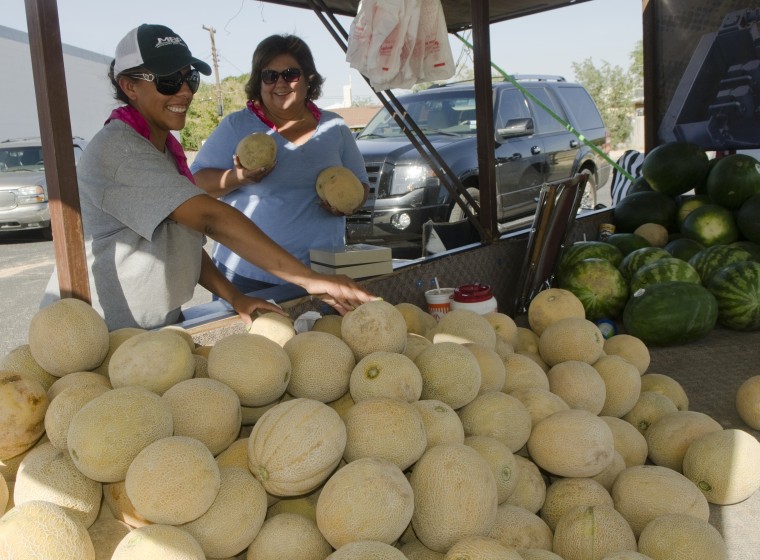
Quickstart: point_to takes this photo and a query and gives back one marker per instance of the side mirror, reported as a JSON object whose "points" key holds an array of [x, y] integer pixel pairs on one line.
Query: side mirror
{"points": [[515, 128]]}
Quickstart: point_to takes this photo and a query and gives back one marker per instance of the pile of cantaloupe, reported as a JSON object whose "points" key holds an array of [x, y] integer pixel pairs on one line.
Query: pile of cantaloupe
{"points": [[380, 435]]}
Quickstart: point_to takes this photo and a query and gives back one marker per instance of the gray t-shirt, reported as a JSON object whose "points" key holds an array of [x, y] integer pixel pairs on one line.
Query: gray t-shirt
{"points": [[142, 265]]}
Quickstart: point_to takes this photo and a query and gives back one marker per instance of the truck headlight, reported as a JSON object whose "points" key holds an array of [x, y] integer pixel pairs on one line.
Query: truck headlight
{"points": [[406, 178], [31, 195]]}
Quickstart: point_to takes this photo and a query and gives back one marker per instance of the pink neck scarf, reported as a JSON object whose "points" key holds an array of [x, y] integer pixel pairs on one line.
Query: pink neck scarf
{"points": [[256, 109], [133, 118]]}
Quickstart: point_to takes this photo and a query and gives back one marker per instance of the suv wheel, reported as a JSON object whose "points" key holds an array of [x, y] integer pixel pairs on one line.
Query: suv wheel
{"points": [[457, 214], [47, 233]]}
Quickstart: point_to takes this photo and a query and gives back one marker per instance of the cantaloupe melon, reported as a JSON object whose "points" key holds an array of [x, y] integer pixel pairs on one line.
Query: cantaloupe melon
{"points": [[502, 463], [572, 443], [68, 335], [159, 475], [564, 494], [450, 373], [630, 348], [607, 477], [155, 360], [415, 550], [629, 442], [578, 384], [277, 328], [370, 550], [23, 403], [158, 541], [439, 479], [200, 371], [256, 368], [415, 343], [4, 495], [598, 528], [385, 374], [418, 321], [235, 516], [206, 410], [115, 339], [295, 446], [656, 234], [305, 505], [530, 491], [41, 529], [256, 151], [342, 404], [275, 539], [481, 548], [343, 514], [386, 428], [516, 527], [622, 382], [692, 537], [649, 408], [328, 323], [442, 423], [493, 373], [374, 326], [20, 360], [551, 305], [626, 555], [462, 326], [525, 340], [667, 386], [109, 431], [64, 407], [236, 454], [121, 507], [498, 415], [539, 402], [538, 554], [321, 366], [748, 401], [725, 465], [669, 437], [106, 534], [536, 357], [78, 379], [504, 326], [48, 474], [340, 188], [522, 372], [571, 338], [644, 492]]}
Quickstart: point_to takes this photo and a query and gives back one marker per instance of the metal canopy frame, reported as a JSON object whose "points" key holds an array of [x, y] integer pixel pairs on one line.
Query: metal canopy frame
{"points": [[55, 124]]}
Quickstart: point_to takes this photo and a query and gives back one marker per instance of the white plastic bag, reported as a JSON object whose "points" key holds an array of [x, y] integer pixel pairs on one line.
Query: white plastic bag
{"points": [[433, 42]]}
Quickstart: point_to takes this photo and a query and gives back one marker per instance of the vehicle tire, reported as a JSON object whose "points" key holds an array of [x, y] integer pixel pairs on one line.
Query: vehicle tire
{"points": [[47, 233], [457, 214], [588, 201]]}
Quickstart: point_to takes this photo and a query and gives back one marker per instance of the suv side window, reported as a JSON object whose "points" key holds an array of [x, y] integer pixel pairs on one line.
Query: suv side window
{"points": [[544, 121], [583, 107], [512, 105]]}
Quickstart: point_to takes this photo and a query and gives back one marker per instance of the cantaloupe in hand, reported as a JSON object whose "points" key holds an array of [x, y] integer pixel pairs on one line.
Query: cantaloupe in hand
{"points": [[340, 188], [256, 151], [23, 403]]}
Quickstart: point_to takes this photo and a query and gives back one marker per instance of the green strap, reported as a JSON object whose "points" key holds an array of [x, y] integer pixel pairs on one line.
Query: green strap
{"points": [[556, 117]]}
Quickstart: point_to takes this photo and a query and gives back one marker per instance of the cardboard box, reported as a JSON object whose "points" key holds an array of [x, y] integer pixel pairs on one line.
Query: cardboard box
{"points": [[362, 270], [359, 253]]}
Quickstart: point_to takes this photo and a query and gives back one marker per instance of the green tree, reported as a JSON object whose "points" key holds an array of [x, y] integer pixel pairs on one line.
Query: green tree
{"points": [[203, 115]]}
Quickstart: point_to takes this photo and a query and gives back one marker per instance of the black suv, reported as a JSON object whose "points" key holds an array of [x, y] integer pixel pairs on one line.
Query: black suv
{"points": [[532, 148]]}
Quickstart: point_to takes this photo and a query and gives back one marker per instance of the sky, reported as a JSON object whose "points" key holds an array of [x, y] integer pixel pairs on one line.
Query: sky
{"points": [[546, 43]]}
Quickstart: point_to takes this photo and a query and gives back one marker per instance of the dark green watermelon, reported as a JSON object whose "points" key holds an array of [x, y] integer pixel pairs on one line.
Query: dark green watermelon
{"points": [[644, 207], [674, 168], [639, 185], [688, 203], [627, 242], [736, 287], [748, 218], [670, 313], [733, 179], [683, 248], [710, 225], [669, 269], [599, 285]]}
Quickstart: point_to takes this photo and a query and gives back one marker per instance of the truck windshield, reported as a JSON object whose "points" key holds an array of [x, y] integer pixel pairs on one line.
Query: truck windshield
{"points": [[21, 159], [452, 114]]}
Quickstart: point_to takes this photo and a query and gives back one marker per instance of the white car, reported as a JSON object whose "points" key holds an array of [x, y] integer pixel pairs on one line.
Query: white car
{"points": [[23, 192]]}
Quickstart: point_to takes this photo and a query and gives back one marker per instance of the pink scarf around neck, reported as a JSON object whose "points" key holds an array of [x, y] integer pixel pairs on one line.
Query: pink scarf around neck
{"points": [[133, 118], [256, 109]]}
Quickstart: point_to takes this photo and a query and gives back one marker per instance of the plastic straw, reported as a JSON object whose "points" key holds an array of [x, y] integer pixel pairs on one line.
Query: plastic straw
{"points": [[437, 287]]}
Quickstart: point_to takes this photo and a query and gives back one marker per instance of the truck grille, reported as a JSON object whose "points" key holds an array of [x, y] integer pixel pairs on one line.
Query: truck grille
{"points": [[7, 200]]}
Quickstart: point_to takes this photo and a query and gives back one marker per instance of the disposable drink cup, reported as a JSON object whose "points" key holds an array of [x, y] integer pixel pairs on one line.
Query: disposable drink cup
{"points": [[439, 301]]}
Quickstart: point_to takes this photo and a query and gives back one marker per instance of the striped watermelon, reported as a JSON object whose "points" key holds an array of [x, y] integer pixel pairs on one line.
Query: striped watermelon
{"points": [[737, 289], [599, 285], [711, 259], [580, 250], [640, 257], [664, 270]]}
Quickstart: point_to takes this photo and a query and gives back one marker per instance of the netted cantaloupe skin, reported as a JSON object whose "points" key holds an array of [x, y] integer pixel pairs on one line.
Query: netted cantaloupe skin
{"points": [[530, 491], [450, 373], [571, 338], [257, 151], [517, 528], [501, 460], [275, 539], [629, 442], [63, 408], [692, 537], [373, 550], [630, 348], [106, 534], [442, 423], [551, 305], [579, 385], [592, 527], [385, 374], [340, 188], [622, 382], [497, 415], [669, 437], [478, 547], [20, 360], [566, 493], [493, 373], [158, 541], [321, 366], [372, 327]]}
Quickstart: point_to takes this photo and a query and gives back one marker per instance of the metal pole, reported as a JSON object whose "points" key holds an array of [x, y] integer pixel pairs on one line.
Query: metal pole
{"points": [[219, 102]]}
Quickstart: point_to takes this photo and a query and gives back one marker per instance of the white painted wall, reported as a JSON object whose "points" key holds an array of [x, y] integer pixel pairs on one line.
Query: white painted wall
{"points": [[89, 90]]}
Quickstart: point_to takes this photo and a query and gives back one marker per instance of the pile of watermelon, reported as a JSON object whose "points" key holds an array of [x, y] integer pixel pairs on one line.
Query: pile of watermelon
{"points": [[685, 254]]}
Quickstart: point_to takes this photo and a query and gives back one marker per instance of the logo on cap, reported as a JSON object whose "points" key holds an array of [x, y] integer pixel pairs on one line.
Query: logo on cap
{"points": [[162, 42]]}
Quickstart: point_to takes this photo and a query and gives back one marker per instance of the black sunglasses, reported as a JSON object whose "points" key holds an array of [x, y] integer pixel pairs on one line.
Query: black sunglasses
{"points": [[290, 75], [172, 83]]}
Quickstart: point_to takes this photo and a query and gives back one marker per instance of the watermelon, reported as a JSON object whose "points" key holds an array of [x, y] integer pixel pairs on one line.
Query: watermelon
{"points": [[580, 250], [640, 257], [683, 248], [670, 313], [627, 242], [733, 179], [711, 259], [710, 225], [748, 218], [674, 168], [750, 246], [599, 285], [642, 207], [736, 287], [688, 203], [639, 185], [663, 270]]}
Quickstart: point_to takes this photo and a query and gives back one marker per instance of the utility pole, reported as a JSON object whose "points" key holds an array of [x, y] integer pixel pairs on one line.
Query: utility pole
{"points": [[219, 103]]}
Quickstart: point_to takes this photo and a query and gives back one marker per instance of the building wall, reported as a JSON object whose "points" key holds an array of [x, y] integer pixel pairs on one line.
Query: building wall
{"points": [[89, 91]]}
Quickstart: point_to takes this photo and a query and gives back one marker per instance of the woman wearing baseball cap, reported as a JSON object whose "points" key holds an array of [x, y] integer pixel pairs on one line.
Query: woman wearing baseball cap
{"points": [[144, 219]]}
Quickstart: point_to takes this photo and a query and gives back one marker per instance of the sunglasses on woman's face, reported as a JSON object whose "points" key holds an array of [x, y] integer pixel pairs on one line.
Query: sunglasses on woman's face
{"points": [[172, 83], [290, 75]]}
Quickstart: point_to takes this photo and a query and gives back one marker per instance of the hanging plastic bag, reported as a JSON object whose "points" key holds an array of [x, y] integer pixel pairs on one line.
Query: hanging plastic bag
{"points": [[433, 43]]}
